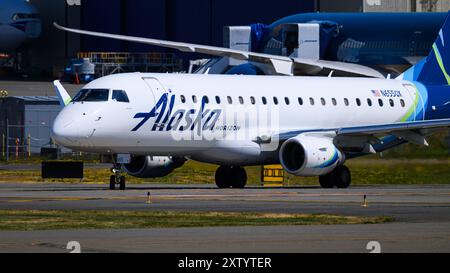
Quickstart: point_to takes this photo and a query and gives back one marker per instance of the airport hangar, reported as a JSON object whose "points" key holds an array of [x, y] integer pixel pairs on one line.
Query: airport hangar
{"points": [[199, 22]]}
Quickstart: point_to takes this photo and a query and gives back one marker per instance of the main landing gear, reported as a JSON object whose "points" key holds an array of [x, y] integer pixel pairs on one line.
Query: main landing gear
{"points": [[231, 177], [339, 177], [117, 178]]}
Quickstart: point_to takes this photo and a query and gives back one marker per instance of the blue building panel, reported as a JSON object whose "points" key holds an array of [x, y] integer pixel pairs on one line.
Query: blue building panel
{"points": [[103, 16], [189, 21], [143, 18]]}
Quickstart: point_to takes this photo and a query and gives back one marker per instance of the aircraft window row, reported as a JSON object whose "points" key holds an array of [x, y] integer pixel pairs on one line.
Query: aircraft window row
{"points": [[312, 102], [91, 95]]}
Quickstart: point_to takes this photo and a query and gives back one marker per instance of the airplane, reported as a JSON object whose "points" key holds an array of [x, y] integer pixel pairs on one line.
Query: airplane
{"points": [[152, 123], [389, 42], [394, 40], [19, 23]]}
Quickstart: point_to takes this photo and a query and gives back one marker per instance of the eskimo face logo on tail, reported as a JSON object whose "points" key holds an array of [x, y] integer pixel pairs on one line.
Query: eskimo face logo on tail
{"points": [[181, 119]]}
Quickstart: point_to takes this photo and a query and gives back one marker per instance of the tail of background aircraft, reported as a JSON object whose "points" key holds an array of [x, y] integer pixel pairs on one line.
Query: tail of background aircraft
{"points": [[63, 97], [433, 70]]}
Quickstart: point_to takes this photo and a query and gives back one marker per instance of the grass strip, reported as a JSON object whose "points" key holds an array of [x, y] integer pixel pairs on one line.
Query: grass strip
{"points": [[90, 219], [364, 172]]}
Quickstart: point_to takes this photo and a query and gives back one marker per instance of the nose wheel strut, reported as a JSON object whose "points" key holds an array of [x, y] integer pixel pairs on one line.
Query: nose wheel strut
{"points": [[117, 178]]}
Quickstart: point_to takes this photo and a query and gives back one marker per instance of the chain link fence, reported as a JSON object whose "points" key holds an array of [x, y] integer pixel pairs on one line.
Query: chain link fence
{"points": [[21, 142]]}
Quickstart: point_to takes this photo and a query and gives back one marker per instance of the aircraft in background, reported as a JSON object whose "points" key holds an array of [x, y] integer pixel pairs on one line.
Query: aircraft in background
{"points": [[388, 42], [152, 123], [19, 23], [349, 44]]}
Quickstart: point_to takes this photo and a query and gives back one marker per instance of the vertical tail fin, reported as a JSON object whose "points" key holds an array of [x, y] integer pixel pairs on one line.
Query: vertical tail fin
{"points": [[435, 68]]}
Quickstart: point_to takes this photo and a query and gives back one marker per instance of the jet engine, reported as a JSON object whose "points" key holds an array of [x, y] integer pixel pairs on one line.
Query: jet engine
{"points": [[306, 155], [153, 166]]}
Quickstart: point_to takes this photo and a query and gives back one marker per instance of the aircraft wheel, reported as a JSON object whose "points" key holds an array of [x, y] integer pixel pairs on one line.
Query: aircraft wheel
{"points": [[343, 177], [327, 181], [112, 182], [122, 183], [222, 177], [239, 177]]}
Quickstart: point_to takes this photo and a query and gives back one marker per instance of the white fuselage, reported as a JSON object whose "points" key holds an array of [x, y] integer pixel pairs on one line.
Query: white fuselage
{"points": [[225, 131]]}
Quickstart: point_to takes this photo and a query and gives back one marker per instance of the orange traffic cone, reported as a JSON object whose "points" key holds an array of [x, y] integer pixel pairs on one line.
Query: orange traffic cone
{"points": [[77, 80]]}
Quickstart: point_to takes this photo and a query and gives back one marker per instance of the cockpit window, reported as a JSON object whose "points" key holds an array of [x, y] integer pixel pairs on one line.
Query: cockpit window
{"points": [[91, 95], [120, 95], [20, 16]]}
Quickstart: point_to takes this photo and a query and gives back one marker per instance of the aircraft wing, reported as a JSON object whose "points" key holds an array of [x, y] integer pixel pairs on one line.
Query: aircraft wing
{"points": [[280, 64], [415, 126], [414, 132]]}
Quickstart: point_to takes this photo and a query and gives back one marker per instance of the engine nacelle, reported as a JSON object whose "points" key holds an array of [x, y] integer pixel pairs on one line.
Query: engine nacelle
{"points": [[152, 166], [306, 155]]}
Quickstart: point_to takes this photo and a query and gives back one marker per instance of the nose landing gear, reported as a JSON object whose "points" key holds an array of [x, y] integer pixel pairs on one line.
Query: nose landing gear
{"points": [[117, 178]]}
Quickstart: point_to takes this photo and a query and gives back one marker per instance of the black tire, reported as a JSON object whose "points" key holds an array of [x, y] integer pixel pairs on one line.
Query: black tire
{"points": [[222, 177], [343, 177], [112, 182], [239, 179], [122, 183], [327, 181]]}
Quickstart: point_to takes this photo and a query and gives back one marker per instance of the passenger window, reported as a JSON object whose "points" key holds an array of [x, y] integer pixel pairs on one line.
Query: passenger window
{"points": [[334, 101], [311, 101], [206, 99], [218, 99], [230, 101], [91, 95], [275, 100], [241, 100], [369, 102], [358, 102], [391, 102], [264, 100], [402, 103], [322, 100], [286, 100], [252, 100], [346, 102], [183, 99], [194, 99], [300, 101], [380, 102], [120, 96]]}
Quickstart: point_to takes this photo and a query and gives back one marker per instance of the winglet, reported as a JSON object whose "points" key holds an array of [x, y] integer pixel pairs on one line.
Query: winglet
{"points": [[63, 96]]}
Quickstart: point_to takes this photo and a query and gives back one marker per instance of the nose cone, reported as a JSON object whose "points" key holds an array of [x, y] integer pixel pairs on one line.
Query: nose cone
{"points": [[70, 129], [63, 130]]}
